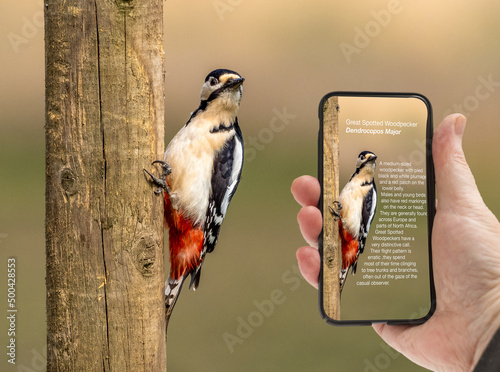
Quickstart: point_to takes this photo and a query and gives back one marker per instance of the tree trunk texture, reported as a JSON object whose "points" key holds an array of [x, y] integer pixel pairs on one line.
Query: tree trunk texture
{"points": [[331, 238], [104, 224]]}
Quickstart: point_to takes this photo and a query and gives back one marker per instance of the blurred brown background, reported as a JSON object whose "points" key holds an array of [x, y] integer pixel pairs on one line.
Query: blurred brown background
{"points": [[291, 53]]}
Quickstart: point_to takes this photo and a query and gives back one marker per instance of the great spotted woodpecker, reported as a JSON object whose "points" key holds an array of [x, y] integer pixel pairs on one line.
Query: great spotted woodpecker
{"points": [[355, 211], [201, 171]]}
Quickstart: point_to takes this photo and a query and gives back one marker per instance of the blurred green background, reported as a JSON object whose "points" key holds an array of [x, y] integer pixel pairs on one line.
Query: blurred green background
{"points": [[291, 53]]}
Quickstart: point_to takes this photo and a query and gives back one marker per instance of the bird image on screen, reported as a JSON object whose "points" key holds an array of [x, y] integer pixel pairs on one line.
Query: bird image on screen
{"points": [[355, 210], [199, 176]]}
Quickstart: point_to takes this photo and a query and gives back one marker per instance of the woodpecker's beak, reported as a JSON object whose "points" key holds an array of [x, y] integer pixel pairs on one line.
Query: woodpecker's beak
{"points": [[233, 84], [373, 158]]}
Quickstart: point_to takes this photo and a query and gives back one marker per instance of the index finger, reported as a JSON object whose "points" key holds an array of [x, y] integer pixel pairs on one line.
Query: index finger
{"points": [[306, 191]]}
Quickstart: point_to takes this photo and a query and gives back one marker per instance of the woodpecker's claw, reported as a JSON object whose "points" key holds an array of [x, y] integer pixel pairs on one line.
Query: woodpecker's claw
{"points": [[161, 182], [166, 170], [336, 213]]}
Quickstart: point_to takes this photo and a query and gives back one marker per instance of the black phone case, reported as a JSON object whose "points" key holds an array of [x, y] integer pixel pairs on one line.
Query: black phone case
{"points": [[430, 203]]}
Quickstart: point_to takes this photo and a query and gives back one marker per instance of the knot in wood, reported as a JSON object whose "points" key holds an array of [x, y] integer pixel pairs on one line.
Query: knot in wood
{"points": [[145, 253], [68, 181], [125, 5]]}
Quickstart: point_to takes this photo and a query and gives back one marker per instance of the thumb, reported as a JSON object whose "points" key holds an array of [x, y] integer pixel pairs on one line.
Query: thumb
{"points": [[456, 187]]}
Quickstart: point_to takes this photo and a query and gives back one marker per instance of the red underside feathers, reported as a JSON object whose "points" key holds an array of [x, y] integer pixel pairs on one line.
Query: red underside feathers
{"points": [[185, 242], [349, 247]]}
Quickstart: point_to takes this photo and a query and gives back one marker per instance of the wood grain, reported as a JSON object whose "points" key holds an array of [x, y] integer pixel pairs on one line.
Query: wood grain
{"points": [[331, 239], [104, 225]]}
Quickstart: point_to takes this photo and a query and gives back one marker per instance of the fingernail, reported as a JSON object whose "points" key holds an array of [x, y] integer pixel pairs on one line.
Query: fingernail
{"points": [[460, 125]]}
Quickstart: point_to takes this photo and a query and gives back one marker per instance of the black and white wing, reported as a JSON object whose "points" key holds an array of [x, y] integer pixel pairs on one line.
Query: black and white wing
{"points": [[225, 178], [367, 214]]}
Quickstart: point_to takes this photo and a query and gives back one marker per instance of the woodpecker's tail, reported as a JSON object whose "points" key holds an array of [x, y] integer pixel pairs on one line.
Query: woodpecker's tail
{"points": [[342, 277], [343, 274], [172, 291]]}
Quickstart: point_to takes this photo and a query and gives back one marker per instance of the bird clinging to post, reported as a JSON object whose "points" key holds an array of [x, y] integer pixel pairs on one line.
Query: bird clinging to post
{"points": [[200, 173], [356, 208]]}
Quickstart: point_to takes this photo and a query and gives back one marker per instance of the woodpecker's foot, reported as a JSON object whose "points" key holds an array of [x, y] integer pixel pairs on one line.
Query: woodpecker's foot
{"points": [[162, 181], [336, 212]]}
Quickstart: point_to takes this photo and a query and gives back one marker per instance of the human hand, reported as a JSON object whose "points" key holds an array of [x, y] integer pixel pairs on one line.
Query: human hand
{"points": [[466, 262]]}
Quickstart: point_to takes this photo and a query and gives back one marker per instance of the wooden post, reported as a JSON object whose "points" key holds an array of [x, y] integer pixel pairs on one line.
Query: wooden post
{"points": [[104, 225], [331, 239]]}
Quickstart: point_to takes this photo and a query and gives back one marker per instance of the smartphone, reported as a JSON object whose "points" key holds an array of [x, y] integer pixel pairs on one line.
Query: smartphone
{"points": [[378, 204]]}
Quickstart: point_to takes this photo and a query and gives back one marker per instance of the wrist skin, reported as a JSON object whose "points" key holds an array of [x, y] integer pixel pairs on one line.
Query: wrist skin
{"points": [[490, 323]]}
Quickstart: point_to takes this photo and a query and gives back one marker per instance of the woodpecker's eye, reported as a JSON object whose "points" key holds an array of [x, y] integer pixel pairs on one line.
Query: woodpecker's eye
{"points": [[362, 157], [213, 81]]}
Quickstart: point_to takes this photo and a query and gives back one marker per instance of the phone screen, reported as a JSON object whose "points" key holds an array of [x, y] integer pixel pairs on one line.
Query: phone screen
{"points": [[377, 205]]}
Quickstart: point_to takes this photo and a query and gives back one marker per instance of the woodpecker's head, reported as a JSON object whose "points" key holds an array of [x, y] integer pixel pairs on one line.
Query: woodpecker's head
{"points": [[367, 160], [222, 88]]}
